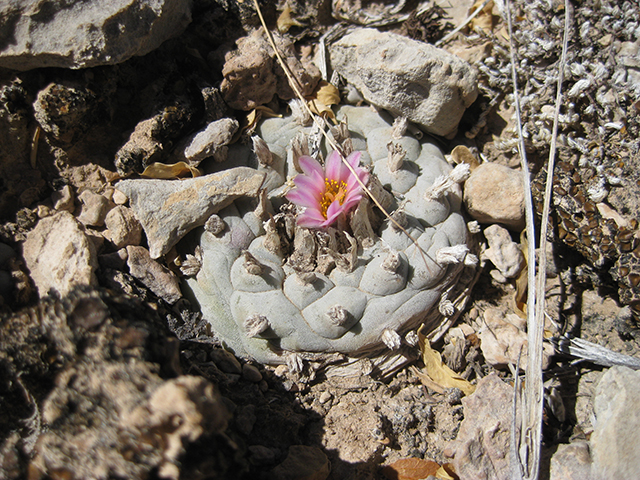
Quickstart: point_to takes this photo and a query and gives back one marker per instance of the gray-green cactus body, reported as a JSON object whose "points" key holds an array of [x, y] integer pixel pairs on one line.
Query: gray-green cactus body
{"points": [[261, 307]]}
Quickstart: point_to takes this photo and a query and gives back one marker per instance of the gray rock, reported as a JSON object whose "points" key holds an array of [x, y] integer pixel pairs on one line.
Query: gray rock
{"points": [[59, 255], [571, 462], [156, 277], [494, 194], [210, 141], [169, 209], [36, 34], [614, 441], [482, 445], [429, 86]]}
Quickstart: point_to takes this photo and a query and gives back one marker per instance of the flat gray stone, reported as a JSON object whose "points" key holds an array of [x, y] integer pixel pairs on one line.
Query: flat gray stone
{"points": [[615, 448], [56, 33], [428, 85], [169, 209]]}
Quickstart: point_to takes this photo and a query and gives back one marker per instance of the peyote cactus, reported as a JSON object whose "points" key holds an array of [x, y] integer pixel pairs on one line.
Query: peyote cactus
{"points": [[278, 292]]}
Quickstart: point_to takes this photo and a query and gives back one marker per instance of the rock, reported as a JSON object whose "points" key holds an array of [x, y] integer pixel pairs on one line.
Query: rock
{"points": [[614, 442], [503, 338], [170, 209], [81, 35], [252, 76], [93, 209], [225, 361], [482, 445], [251, 373], [245, 418], [123, 227], [494, 194], [63, 199], [114, 260], [429, 86], [210, 141], [503, 252], [303, 463], [261, 455], [154, 276], [59, 255], [571, 462], [65, 111]]}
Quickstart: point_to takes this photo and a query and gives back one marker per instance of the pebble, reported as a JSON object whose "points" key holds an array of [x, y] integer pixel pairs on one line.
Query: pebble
{"points": [[246, 418], [614, 442], [251, 373], [94, 208], [114, 260], [63, 199], [503, 252], [209, 142], [225, 361], [325, 397], [80, 34], [154, 276], [303, 463], [123, 227], [261, 455], [436, 87], [169, 209], [59, 254], [494, 194]]}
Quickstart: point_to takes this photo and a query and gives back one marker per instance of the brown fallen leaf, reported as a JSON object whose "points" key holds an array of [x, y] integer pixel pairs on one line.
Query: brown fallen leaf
{"points": [[286, 21], [410, 469], [438, 371], [254, 116], [322, 98], [165, 171]]}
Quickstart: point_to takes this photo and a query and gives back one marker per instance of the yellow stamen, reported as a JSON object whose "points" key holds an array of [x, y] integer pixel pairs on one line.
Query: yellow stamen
{"points": [[333, 190]]}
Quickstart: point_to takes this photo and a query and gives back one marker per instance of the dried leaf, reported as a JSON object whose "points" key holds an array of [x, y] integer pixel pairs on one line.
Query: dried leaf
{"points": [[484, 20], [410, 469], [285, 21], [440, 373], [446, 472], [165, 171], [322, 98], [254, 116]]}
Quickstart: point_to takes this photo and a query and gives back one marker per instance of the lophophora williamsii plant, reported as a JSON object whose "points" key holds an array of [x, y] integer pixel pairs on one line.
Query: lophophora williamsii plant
{"points": [[315, 269]]}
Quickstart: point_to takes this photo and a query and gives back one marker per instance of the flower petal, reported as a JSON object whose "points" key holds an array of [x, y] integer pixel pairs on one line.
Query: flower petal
{"points": [[302, 198], [354, 159], [309, 165], [333, 212], [311, 218], [334, 167], [352, 183], [315, 186]]}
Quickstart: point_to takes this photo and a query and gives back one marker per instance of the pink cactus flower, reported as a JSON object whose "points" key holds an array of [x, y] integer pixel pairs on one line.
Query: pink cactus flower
{"points": [[327, 193]]}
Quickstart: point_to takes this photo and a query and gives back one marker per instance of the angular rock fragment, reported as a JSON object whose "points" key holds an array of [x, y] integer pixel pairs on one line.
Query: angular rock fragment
{"points": [[425, 84], [169, 209], [59, 255], [85, 34], [157, 278]]}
